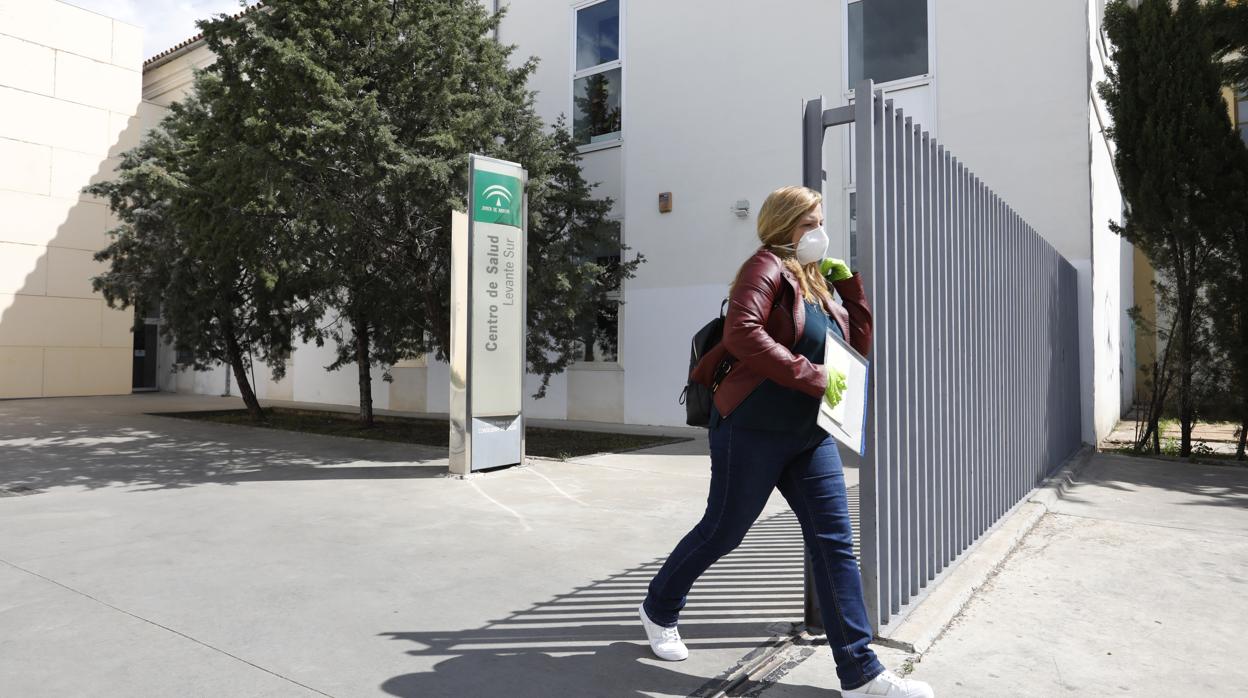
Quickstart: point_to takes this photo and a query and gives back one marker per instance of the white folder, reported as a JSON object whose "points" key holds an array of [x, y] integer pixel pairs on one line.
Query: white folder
{"points": [[848, 420]]}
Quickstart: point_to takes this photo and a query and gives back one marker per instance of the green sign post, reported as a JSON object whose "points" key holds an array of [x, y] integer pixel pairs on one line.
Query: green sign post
{"points": [[488, 272]]}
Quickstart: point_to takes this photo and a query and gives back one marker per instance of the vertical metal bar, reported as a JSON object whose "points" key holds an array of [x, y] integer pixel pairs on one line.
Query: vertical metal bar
{"points": [[927, 338], [945, 309], [1000, 428], [893, 347], [812, 178], [952, 387], [867, 171], [908, 355], [976, 450], [990, 477]]}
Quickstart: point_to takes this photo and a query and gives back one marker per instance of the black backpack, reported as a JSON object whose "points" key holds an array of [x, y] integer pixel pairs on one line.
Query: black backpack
{"points": [[697, 397]]}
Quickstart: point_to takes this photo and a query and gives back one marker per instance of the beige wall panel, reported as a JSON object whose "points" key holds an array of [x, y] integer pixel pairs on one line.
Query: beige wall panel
{"points": [[84, 228], [70, 272], [127, 46], [87, 372], [23, 320], [71, 171], [117, 328], [31, 219], [42, 220], [23, 269], [25, 167], [38, 119], [27, 19], [409, 391], [596, 395], [25, 65], [80, 31], [72, 322], [21, 372], [97, 84], [124, 131]]}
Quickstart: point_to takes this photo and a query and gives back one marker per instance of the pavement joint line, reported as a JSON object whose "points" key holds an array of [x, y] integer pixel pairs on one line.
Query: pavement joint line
{"points": [[164, 627], [767, 656]]}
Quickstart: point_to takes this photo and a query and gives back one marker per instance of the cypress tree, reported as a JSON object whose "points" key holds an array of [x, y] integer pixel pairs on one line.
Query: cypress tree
{"points": [[1170, 127]]}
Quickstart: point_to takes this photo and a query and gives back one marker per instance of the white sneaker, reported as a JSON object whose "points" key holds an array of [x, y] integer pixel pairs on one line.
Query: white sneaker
{"points": [[664, 641], [891, 685]]}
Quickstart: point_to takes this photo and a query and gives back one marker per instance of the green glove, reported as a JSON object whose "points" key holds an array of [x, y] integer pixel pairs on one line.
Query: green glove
{"points": [[836, 386], [835, 269]]}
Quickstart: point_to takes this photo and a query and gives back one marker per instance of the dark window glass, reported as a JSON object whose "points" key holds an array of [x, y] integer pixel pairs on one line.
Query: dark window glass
{"points": [[855, 44], [598, 34], [596, 107], [887, 40]]}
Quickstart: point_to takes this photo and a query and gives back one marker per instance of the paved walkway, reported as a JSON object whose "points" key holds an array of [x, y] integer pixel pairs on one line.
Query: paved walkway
{"points": [[1135, 585], [149, 556]]}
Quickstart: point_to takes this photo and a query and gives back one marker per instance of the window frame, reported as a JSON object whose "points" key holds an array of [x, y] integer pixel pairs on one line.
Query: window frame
{"points": [[600, 68], [901, 83]]}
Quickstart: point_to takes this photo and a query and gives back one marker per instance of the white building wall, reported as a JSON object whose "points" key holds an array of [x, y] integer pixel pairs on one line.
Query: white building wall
{"points": [[712, 100], [1113, 380]]}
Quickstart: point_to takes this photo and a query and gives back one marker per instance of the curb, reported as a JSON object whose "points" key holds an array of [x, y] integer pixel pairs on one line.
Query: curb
{"points": [[954, 588]]}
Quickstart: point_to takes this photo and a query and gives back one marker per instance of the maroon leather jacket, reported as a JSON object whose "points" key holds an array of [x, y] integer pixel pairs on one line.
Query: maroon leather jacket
{"points": [[764, 320]]}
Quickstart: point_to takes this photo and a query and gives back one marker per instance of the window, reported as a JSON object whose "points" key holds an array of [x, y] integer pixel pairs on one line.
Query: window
{"points": [[597, 81], [600, 334], [887, 40]]}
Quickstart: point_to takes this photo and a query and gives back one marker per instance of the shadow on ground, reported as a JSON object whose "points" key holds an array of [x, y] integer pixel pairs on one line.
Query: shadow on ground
{"points": [[588, 642], [148, 453], [1223, 486]]}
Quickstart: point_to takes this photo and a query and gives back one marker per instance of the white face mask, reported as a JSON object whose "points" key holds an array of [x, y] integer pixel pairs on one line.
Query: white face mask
{"points": [[812, 246]]}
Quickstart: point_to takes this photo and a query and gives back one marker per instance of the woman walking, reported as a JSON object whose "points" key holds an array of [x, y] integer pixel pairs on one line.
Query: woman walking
{"points": [[763, 435]]}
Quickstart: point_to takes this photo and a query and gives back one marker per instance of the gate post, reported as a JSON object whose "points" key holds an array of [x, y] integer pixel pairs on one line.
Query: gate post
{"points": [[815, 122]]}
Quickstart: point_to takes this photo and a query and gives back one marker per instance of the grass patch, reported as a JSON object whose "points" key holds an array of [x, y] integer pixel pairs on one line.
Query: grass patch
{"points": [[547, 443]]}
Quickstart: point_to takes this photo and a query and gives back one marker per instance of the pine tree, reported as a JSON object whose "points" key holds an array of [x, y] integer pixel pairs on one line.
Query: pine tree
{"points": [[1170, 126], [365, 112]]}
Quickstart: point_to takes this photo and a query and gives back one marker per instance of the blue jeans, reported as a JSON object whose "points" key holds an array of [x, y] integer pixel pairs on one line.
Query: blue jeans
{"points": [[745, 465]]}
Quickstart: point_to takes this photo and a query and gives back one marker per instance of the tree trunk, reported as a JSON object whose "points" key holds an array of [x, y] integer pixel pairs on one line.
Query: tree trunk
{"points": [[235, 355], [1187, 351], [1243, 440], [363, 362], [1242, 360]]}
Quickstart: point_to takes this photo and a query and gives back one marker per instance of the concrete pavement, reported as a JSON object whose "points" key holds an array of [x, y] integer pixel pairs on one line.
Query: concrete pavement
{"points": [[150, 556], [1134, 584]]}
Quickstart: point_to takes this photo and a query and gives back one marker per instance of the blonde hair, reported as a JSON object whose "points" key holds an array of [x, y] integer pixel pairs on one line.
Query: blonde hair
{"points": [[778, 216]]}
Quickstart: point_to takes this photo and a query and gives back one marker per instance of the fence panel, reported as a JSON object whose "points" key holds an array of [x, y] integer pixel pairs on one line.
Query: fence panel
{"points": [[974, 370]]}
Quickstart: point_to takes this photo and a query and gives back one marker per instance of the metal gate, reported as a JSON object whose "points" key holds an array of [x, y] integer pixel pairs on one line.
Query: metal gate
{"points": [[975, 364]]}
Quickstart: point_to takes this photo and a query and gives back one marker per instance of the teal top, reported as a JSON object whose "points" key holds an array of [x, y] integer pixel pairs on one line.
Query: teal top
{"points": [[773, 407]]}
